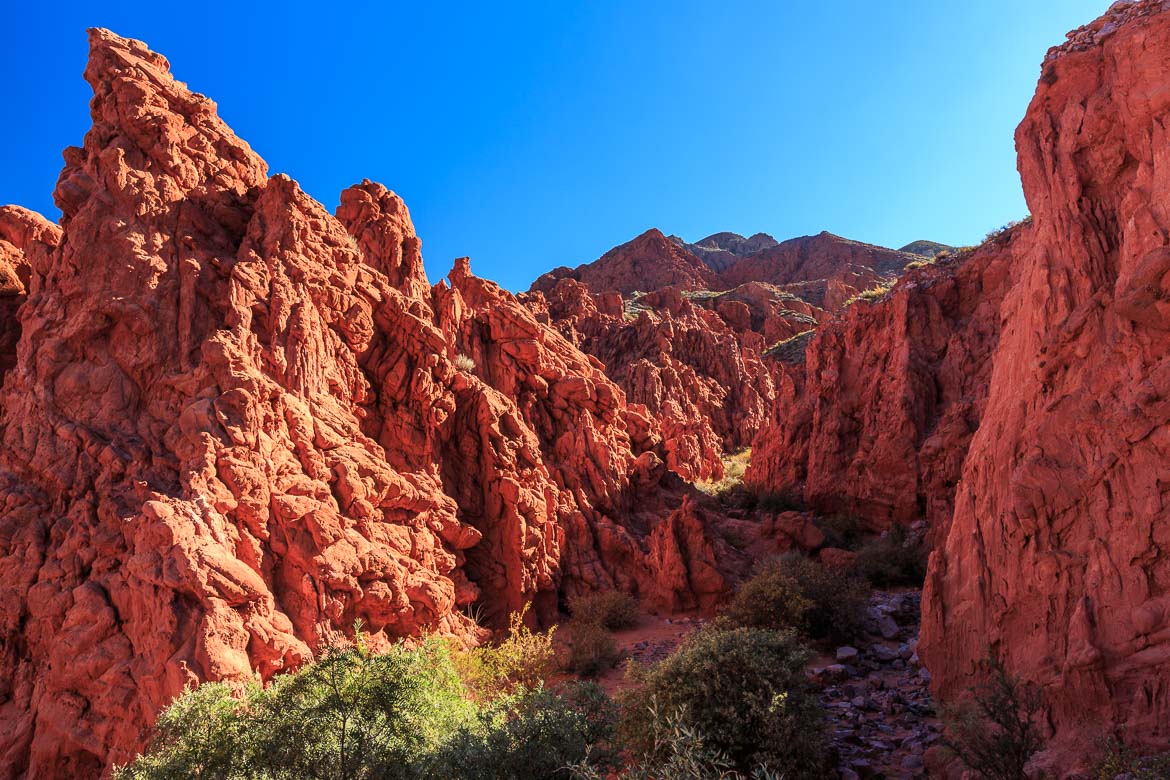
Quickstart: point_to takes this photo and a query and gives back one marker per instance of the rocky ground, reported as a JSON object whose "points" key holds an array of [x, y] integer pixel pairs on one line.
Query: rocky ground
{"points": [[880, 716]]}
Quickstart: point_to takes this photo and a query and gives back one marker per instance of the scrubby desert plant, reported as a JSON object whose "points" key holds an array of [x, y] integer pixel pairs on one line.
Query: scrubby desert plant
{"points": [[743, 690], [524, 659], [1120, 760], [613, 610], [770, 599], [536, 735], [679, 753], [994, 730], [464, 363], [895, 558], [795, 592], [841, 530], [591, 650]]}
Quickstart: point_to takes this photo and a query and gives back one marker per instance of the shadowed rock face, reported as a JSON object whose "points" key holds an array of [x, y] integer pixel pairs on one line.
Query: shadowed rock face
{"points": [[1017, 396], [233, 425]]}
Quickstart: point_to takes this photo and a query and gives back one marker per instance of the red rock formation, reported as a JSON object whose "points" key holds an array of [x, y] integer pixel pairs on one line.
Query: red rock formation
{"points": [[876, 418], [649, 262], [21, 232], [704, 384], [1018, 399], [237, 424], [1055, 558]]}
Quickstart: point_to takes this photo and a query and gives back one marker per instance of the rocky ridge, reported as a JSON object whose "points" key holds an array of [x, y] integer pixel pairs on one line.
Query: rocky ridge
{"points": [[235, 424]]}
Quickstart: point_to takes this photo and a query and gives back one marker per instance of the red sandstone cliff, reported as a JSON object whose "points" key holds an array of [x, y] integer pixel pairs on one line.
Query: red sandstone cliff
{"points": [[236, 423], [1018, 399]]}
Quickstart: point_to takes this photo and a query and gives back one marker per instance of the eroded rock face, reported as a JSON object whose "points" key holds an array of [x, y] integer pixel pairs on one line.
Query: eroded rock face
{"points": [[23, 233], [1055, 557], [1017, 398], [704, 383], [236, 424]]}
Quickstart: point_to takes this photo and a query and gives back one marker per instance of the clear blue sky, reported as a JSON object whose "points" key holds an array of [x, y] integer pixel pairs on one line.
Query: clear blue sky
{"points": [[532, 135]]}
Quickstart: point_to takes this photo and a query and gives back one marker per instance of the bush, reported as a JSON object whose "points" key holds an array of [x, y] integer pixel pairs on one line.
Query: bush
{"points": [[534, 736], [404, 715], [613, 610], [524, 659], [681, 754], [795, 592], [744, 691], [770, 599], [893, 559], [464, 363], [352, 714], [591, 650], [994, 732]]}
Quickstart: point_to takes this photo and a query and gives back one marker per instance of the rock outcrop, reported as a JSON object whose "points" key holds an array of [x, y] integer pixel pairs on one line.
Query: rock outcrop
{"points": [[1017, 397], [703, 381], [235, 424]]}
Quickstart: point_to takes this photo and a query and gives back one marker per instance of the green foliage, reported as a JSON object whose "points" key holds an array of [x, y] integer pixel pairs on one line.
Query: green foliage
{"points": [[743, 690], [613, 610], [1004, 230], [892, 559], [994, 732], [536, 735], [679, 753], [775, 502], [350, 715], [524, 659], [591, 650], [770, 599], [402, 715], [795, 592], [1119, 760]]}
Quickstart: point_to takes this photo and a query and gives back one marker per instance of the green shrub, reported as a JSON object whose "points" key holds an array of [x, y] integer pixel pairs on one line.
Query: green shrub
{"points": [[591, 650], [524, 659], [776, 502], [351, 715], [892, 559], [770, 599], [744, 691], [794, 591], [680, 753], [536, 735], [613, 610], [404, 715], [994, 731]]}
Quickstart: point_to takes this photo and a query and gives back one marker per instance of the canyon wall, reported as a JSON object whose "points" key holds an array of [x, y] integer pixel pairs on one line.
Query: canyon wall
{"points": [[1019, 397]]}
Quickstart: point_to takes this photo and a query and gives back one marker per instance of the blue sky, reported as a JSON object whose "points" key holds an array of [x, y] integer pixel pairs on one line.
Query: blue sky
{"points": [[532, 135]]}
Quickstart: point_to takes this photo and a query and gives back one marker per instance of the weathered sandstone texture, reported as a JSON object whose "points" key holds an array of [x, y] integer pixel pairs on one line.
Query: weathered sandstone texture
{"points": [[1020, 398], [234, 424]]}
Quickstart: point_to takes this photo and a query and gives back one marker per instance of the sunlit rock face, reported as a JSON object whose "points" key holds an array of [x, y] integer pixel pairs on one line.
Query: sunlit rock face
{"points": [[1017, 398], [234, 424]]}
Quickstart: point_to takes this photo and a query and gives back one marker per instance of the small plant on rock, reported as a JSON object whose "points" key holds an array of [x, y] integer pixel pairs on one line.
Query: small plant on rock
{"points": [[994, 732], [464, 363]]}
